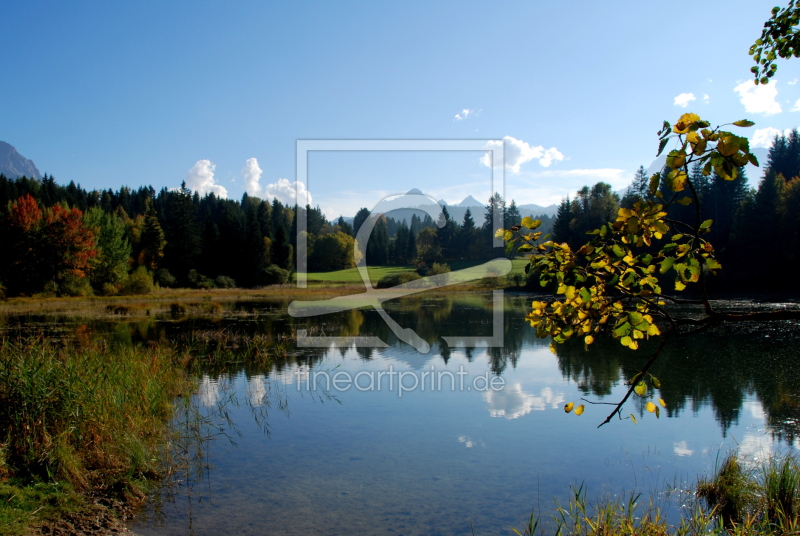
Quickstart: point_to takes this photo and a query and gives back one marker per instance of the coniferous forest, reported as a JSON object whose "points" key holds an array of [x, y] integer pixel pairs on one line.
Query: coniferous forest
{"points": [[65, 240]]}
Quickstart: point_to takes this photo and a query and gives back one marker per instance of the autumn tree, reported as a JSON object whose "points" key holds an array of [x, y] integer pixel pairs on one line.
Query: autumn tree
{"points": [[615, 284]]}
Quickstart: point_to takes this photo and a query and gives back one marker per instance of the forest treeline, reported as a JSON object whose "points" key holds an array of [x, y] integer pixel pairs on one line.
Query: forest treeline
{"points": [[755, 231], [65, 240]]}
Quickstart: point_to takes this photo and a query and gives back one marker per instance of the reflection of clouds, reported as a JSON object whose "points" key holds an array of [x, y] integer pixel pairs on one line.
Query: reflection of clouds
{"points": [[208, 391], [256, 389], [512, 402], [298, 374], [754, 447], [681, 448], [469, 443], [756, 410]]}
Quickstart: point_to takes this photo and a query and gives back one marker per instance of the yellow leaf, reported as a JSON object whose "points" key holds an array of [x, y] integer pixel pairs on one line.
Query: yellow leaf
{"points": [[568, 406], [661, 401], [553, 347], [633, 419], [579, 410], [508, 235], [650, 407], [588, 339], [685, 122], [499, 233], [679, 181], [527, 221], [640, 389]]}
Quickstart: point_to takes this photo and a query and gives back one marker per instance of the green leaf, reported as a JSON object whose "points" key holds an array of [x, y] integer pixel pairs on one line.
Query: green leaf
{"points": [[525, 247], [527, 221], [685, 201], [661, 146], [635, 318], [618, 251], [656, 382], [744, 123], [666, 264], [655, 180], [706, 224], [623, 329], [613, 281], [626, 341], [712, 263], [586, 296]]}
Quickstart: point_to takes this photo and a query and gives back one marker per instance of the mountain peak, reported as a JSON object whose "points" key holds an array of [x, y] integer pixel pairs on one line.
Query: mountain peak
{"points": [[414, 191], [470, 202], [13, 164]]}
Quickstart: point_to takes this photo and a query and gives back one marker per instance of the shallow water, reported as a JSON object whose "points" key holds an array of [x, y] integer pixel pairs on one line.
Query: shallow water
{"points": [[300, 456]]}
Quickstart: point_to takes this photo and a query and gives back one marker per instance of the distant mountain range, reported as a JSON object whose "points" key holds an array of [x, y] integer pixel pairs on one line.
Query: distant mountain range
{"points": [[13, 164], [456, 211]]}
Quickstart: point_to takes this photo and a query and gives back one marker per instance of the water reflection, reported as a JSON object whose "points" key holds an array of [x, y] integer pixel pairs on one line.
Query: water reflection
{"points": [[430, 461]]}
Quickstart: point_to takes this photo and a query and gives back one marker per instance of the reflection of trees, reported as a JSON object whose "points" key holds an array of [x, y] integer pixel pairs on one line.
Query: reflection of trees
{"points": [[719, 369]]}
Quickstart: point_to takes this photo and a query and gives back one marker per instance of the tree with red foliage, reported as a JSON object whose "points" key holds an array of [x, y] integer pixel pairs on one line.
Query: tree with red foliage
{"points": [[43, 246]]}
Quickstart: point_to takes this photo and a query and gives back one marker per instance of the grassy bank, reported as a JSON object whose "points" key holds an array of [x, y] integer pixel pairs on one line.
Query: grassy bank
{"points": [[736, 500], [82, 426]]}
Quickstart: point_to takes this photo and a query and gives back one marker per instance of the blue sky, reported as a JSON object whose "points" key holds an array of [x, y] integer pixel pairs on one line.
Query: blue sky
{"points": [[111, 94]]}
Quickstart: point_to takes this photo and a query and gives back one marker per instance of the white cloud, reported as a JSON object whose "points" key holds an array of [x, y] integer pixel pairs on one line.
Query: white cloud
{"points": [[684, 99], [252, 174], [793, 82], [465, 113], [759, 99], [518, 152], [200, 179], [706, 98], [763, 137], [796, 107], [285, 191]]}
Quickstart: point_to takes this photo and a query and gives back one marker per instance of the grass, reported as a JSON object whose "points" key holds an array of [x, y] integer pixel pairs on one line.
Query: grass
{"points": [[78, 421], [352, 276], [735, 501]]}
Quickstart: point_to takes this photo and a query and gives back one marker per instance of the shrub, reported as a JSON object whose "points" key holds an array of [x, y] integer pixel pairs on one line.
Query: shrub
{"points": [[76, 286], [275, 275], [223, 281], [434, 269], [109, 290], [164, 278], [139, 282], [397, 279]]}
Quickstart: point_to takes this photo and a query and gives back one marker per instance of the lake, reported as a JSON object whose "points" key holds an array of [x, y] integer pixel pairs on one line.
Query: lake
{"points": [[388, 440]]}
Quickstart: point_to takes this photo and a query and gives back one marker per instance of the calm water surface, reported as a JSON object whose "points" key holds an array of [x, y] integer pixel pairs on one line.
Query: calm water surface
{"points": [[295, 455]]}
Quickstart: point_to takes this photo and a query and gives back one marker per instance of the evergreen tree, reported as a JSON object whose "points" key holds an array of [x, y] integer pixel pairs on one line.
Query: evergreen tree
{"points": [[152, 241], [183, 238], [562, 226]]}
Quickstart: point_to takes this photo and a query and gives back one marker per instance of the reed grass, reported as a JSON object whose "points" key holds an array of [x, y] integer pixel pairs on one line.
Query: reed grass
{"points": [[737, 500], [86, 418]]}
